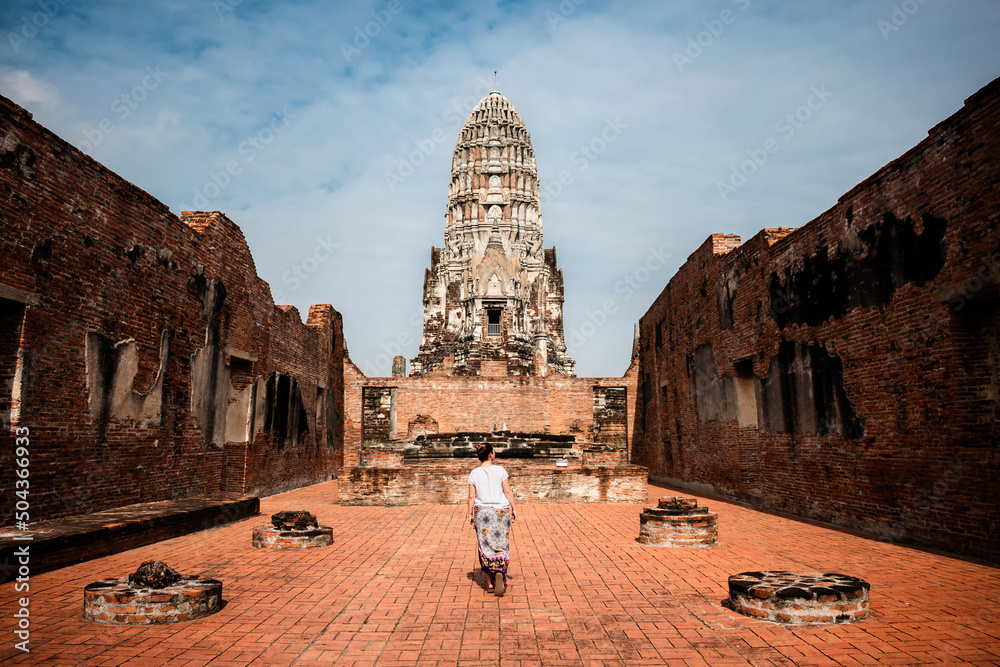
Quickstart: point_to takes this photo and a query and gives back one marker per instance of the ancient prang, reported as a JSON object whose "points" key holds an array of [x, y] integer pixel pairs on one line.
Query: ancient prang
{"points": [[493, 296], [492, 365]]}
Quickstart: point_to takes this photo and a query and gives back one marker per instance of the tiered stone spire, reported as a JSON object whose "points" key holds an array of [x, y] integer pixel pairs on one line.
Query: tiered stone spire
{"points": [[493, 294]]}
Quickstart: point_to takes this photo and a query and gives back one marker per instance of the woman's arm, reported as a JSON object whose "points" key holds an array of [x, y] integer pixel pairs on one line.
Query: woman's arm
{"points": [[472, 502], [510, 499]]}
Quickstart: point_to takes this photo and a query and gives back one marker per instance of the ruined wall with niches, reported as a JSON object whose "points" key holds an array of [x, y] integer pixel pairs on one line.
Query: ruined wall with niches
{"points": [[611, 415], [379, 414], [849, 370], [556, 404], [138, 346]]}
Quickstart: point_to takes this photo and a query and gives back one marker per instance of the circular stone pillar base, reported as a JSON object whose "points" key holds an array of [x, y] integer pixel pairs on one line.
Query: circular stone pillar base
{"points": [[678, 522], [114, 602], [269, 537], [787, 597]]}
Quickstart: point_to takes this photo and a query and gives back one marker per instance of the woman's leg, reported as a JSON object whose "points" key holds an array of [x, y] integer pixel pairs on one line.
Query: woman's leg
{"points": [[483, 519], [492, 531], [501, 543]]}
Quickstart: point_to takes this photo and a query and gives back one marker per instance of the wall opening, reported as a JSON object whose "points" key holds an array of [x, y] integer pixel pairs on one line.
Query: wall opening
{"points": [[286, 415], [320, 417], [746, 393], [610, 416], [11, 321], [239, 414], [378, 419], [493, 321], [282, 393]]}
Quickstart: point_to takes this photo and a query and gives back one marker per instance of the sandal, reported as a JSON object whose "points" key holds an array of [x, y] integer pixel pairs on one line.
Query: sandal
{"points": [[490, 585], [501, 585]]}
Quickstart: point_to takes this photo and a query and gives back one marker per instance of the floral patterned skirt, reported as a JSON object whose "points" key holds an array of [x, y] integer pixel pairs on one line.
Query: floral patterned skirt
{"points": [[493, 532]]}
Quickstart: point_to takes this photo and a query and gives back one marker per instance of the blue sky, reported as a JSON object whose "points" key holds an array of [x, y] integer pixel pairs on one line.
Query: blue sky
{"points": [[325, 129]]}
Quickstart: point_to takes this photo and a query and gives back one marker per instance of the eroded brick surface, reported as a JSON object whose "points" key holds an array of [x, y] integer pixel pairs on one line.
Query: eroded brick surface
{"points": [[142, 351], [380, 409], [114, 602], [269, 537], [847, 370]]}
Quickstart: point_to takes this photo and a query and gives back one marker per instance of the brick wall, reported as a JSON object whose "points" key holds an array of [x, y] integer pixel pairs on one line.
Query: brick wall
{"points": [[556, 404], [606, 455], [379, 414], [610, 415], [381, 457], [146, 344], [448, 482], [847, 371]]}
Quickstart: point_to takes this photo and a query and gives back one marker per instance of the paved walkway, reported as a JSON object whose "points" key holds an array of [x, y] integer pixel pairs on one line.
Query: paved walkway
{"points": [[399, 588]]}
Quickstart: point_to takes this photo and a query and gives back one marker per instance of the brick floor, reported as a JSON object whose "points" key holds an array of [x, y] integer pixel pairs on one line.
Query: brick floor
{"points": [[400, 587]]}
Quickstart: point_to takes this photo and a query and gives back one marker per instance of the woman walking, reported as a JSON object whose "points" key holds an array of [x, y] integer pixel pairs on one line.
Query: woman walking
{"points": [[491, 511]]}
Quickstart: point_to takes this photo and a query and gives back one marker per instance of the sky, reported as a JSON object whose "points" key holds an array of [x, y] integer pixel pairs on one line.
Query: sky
{"points": [[325, 129]]}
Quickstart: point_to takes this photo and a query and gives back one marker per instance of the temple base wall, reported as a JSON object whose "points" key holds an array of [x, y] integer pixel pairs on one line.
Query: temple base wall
{"points": [[447, 482]]}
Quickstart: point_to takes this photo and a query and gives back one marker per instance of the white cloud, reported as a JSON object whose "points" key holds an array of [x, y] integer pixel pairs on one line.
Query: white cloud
{"points": [[26, 90]]}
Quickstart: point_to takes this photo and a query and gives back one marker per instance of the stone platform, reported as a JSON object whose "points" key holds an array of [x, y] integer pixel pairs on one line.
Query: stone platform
{"points": [[810, 598], [74, 539], [678, 522], [114, 602], [446, 481], [292, 529]]}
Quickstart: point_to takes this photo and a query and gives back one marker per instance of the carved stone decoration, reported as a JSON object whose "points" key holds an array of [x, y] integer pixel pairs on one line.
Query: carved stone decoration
{"points": [[455, 245], [154, 574], [493, 251], [293, 519]]}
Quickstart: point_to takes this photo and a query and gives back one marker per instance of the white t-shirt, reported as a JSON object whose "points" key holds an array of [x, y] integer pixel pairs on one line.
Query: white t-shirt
{"points": [[489, 486]]}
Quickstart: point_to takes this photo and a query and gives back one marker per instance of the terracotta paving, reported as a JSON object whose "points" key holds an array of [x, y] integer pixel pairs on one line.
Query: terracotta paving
{"points": [[400, 587]]}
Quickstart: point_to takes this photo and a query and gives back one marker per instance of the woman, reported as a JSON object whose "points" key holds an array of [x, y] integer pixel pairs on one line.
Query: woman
{"points": [[491, 511]]}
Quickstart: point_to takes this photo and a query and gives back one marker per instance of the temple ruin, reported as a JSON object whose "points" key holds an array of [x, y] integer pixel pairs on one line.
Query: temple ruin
{"points": [[492, 366], [847, 371]]}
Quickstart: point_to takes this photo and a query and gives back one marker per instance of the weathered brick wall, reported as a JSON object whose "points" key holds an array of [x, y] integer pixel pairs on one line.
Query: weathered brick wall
{"points": [[379, 414], [91, 261], [610, 415], [556, 404], [448, 482], [607, 455], [381, 457], [847, 371]]}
